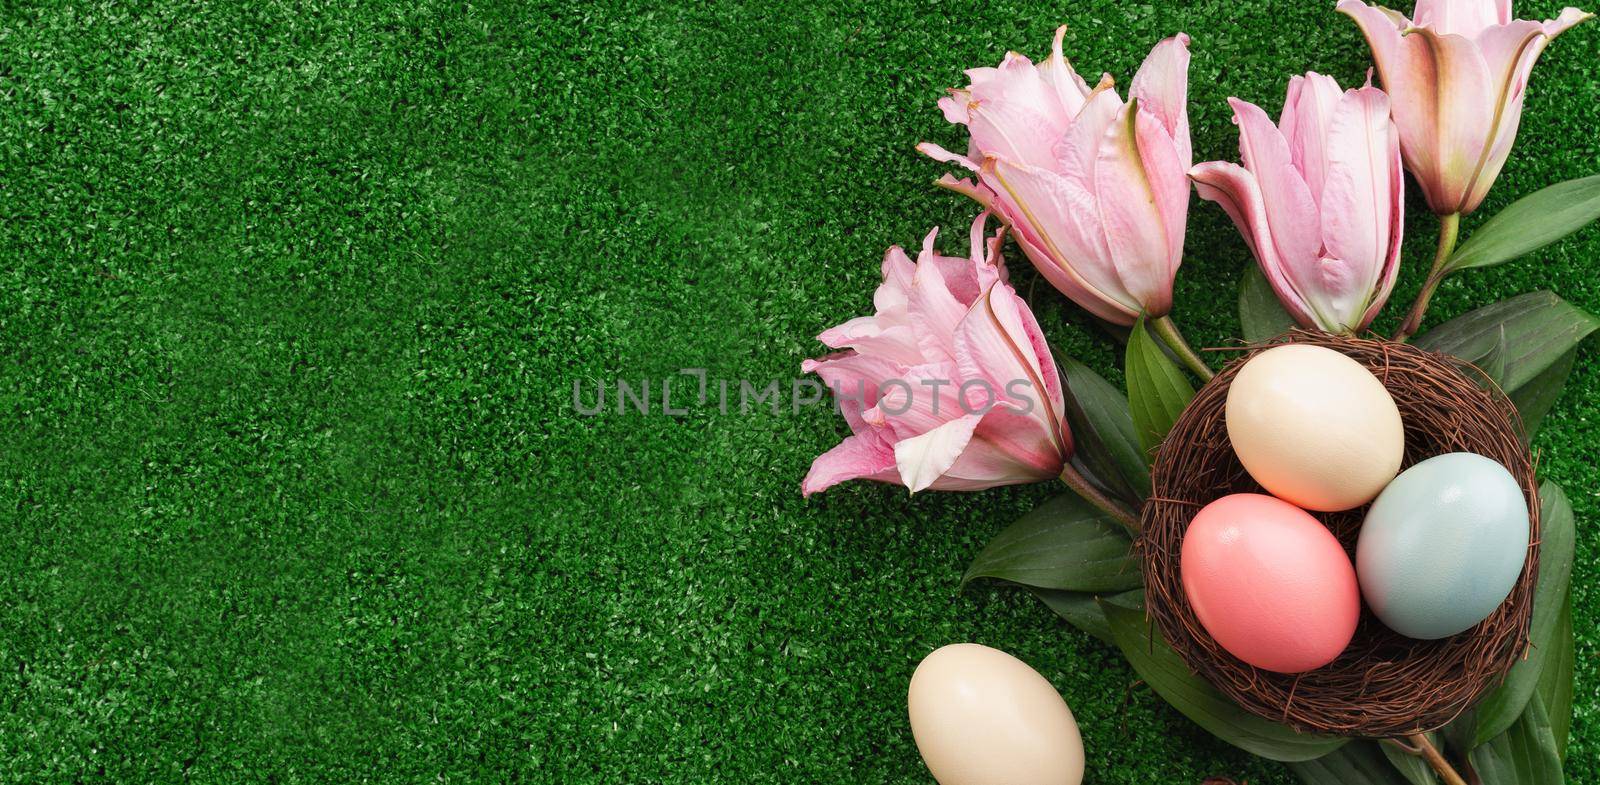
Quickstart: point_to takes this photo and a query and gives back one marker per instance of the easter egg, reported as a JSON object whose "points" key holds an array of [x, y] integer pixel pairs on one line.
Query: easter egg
{"points": [[1443, 545], [1269, 583], [1314, 427], [983, 717]]}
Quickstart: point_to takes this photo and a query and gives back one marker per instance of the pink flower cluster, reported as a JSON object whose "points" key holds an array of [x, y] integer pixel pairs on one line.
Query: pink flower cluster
{"points": [[1095, 191]]}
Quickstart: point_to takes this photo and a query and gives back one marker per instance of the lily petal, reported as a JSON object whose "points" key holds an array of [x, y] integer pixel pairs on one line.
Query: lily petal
{"points": [[1409, 73], [1000, 342], [1080, 145], [1059, 217], [855, 458], [1069, 87], [922, 459], [1357, 203], [1391, 264], [1510, 52], [1237, 191], [918, 400], [1307, 112], [1162, 88], [942, 155], [1005, 443], [1132, 155], [1016, 114], [1292, 217], [1461, 17], [1466, 95]]}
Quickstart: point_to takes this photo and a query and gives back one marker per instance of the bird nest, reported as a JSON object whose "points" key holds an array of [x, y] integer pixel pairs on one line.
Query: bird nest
{"points": [[1383, 685]]}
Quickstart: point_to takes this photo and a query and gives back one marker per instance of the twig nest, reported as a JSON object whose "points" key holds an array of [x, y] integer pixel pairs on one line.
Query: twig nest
{"points": [[1383, 684]]}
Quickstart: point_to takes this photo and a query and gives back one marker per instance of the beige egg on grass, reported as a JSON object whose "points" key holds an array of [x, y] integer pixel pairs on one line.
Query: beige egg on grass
{"points": [[983, 717], [1314, 427]]}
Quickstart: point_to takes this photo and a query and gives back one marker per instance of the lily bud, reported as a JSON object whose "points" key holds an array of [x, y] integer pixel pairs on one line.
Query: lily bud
{"points": [[1319, 200], [949, 385], [1458, 72], [1092, 188]]}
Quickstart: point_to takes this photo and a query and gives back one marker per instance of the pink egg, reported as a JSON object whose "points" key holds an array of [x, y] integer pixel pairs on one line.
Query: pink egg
{"points": [[1270, 583]]}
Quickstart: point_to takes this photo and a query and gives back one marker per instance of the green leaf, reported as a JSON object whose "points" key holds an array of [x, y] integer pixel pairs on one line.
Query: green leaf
{"points": [[1413, 768], [1157, 390], [1524, 755], [1356, 763], [1096, 408], [1493, 364], [1538, 328], [1500, 708], [1260, 313], [1082, 609], [1555, 680], [1166, 673], [1534, 398], [1538, 332], [1458, 734], [1065, 543], [1531, 223]]}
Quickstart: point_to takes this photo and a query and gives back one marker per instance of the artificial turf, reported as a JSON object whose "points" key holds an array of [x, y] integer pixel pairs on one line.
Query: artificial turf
{"points": [[294, 296]]}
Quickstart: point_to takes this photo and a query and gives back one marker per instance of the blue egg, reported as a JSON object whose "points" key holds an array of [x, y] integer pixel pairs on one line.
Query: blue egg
{"points": [[1443, 545]]}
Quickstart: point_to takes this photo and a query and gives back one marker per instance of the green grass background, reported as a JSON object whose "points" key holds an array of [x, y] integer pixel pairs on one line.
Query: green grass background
{"points": [[294, 295]]}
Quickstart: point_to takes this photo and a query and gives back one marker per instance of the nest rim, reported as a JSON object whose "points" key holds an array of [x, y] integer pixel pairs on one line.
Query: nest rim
{"points": [[1383, 685]]}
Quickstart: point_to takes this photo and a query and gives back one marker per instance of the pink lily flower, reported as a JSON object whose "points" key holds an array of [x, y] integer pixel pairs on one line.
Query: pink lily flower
{"points": [[1092, 188], [1458, 72], [1320, 199], [949, 385]]}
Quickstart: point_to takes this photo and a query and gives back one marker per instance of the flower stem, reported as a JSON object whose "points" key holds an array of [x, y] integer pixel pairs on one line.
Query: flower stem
{"points": [[1431, 754], [1168, 330], [1083, 487], [1449, 227]]}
